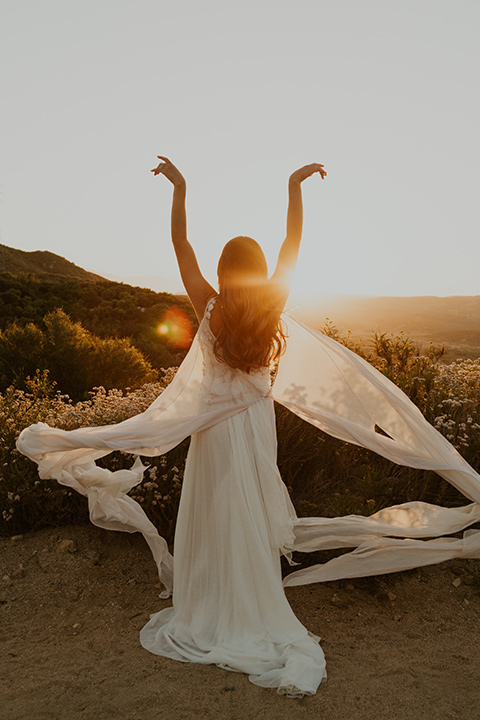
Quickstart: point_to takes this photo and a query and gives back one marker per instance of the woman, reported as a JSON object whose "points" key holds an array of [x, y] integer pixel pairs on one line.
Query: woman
{"points": [[235, 516]]}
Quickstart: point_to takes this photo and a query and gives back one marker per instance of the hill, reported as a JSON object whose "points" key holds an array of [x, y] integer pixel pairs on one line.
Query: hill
{"points": [[30, 289], [41, 262]]}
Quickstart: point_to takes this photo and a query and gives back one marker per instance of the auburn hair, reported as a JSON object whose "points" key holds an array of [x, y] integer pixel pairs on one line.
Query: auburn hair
{"points": [[250, 335]]}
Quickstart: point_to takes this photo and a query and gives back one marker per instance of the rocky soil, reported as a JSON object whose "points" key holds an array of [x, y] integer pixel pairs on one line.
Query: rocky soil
{"points": [[73, 600]]}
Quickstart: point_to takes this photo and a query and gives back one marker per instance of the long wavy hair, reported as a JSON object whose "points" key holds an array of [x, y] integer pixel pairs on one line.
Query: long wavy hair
{"points": [[250, 335]]}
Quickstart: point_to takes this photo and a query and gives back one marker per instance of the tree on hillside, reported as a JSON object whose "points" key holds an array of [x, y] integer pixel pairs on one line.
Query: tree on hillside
{"points": [[76, 359], [21, 353]]}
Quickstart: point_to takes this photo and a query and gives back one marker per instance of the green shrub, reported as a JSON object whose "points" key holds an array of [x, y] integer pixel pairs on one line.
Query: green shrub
{"points": [[76, 360]]}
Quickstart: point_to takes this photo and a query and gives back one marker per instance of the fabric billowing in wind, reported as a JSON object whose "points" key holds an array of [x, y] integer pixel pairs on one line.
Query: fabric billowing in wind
{"points": [[327, 385], [337, 391]]}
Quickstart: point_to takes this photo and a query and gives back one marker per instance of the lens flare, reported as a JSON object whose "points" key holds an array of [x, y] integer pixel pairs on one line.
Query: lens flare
{"points": [[176, 328]]}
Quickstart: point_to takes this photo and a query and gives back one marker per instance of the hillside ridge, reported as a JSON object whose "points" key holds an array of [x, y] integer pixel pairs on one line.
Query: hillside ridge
{"points": [[41, 262]]}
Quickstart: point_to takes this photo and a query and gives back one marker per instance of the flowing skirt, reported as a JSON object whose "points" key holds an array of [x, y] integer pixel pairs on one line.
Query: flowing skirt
{"points": [[229, 606]]}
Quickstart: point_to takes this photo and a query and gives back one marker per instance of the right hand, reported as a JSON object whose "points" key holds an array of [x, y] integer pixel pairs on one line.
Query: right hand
{"points": [[171, 172], [306, 171]]}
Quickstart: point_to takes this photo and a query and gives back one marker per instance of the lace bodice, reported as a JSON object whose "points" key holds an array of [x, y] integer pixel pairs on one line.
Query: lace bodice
{"points": [[220, 379]]}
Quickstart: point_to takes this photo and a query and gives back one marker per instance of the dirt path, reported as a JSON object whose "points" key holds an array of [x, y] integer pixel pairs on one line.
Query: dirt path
{"points": [[404, 647]]}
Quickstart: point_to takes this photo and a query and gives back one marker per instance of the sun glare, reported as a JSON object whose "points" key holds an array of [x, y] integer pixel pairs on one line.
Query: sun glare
{"points": [[305, 284], [176, 327]]}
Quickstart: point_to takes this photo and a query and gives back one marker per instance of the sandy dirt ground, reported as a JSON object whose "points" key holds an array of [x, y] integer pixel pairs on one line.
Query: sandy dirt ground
{"points": [[73, 601]]}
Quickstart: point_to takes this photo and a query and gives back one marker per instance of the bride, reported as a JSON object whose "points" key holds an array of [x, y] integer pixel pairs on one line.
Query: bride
{"points": [[235, 517]]}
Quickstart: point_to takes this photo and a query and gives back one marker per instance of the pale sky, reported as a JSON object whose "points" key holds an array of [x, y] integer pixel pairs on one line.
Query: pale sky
{"points": [[238, 95]]}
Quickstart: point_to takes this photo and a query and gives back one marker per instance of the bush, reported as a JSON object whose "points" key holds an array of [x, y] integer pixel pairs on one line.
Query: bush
{"points": [[76, 360]]}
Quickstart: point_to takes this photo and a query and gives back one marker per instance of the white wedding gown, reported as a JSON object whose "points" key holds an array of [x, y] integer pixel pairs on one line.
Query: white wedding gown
{"points": [[235, 517]]}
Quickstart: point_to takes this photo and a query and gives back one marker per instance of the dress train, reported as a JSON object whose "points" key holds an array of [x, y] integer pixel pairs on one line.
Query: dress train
{"points": [[229, 606]]}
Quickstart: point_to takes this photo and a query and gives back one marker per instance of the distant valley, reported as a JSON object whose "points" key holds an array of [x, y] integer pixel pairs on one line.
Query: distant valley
{"points": [[453, 321]]}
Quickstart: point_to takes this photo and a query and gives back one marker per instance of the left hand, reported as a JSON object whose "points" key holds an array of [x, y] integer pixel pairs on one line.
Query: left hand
{"points": [[171, 172]]}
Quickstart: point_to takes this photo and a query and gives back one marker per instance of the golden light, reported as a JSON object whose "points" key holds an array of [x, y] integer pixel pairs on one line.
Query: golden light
{"points": [[175, 326]]}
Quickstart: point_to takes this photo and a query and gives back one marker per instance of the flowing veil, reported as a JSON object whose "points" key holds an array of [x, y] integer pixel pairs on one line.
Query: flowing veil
{"points": [[327, 385], [345, 396]]}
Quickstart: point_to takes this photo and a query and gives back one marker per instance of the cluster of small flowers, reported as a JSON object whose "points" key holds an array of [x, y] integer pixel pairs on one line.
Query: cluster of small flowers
{"points": [[19, 409], [457, 390], [106, 407], [159, 495], [168, 375]]}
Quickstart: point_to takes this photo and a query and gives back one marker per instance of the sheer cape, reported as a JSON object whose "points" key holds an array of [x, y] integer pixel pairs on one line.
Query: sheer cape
{"points": [[327, 385]]}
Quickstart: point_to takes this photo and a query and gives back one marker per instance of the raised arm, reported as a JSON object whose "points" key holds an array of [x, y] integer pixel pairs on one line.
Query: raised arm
{"points": [[287, 258], [198, 289]]}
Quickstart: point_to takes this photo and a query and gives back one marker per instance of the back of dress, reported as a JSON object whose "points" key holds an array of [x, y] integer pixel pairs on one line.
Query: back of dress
{"points": [[234, 520], [222, 382]]}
